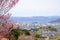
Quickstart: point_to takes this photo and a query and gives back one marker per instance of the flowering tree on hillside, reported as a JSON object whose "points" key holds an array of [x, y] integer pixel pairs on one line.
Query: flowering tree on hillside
{"points": [[5, 23], [6, 5]]}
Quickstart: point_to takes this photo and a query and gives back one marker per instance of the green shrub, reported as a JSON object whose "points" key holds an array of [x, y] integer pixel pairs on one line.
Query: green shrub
{"points": [[15, 33], [26, 32], [37, 36]]}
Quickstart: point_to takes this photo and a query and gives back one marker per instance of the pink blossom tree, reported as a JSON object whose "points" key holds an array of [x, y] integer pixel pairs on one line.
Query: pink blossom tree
{"points": [[6, 5], [5, 23]]}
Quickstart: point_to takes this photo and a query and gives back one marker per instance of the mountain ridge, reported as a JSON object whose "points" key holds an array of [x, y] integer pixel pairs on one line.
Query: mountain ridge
{"points": [[40, 19]]}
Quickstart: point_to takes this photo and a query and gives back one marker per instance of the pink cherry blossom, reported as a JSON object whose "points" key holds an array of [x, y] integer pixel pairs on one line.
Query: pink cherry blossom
{"points": [[6, 5], [5, 23]]}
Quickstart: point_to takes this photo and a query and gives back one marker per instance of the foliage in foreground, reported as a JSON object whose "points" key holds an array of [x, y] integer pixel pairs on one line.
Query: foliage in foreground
{"points": [[14, 34]]}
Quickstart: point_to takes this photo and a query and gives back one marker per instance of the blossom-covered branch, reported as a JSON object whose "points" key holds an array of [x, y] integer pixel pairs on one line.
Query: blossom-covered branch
{"points": [[5, 23], [6, 5]]}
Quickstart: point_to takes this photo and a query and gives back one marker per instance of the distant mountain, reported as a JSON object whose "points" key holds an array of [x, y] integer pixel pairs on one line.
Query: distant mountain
{"points": [[40, 19], [56, 21]]}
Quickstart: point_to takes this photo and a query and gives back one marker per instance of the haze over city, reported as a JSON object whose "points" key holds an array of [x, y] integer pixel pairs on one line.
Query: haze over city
{"points": [[28, 8]]}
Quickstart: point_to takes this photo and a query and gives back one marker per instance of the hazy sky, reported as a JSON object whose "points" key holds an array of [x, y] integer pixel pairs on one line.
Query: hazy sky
{"points": [[28, 8]]}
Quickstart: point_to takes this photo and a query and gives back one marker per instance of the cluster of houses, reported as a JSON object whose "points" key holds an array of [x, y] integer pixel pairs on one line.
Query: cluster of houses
{"points": [[46, 34]]}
